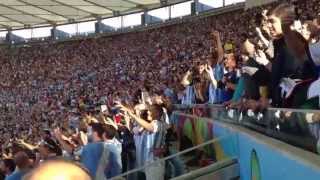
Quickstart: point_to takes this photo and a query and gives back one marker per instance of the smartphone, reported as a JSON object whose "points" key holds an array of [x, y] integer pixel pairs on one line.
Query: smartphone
{"points": [[103, 108], [145, 97]]}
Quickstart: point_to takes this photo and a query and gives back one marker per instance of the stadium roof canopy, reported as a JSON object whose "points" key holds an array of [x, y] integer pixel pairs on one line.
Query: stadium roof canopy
{"points": [[16, 14]]}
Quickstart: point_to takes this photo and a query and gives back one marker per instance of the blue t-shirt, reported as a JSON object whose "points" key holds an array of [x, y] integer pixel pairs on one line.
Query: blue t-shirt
{"points": [[16, 175], [91, 155]]}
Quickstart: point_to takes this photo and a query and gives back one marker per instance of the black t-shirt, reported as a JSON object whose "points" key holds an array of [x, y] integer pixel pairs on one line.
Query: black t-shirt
{"points": [[285, 65], [254, 82]]}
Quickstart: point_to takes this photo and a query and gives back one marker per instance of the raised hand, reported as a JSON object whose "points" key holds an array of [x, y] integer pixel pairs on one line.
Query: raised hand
{"points": [[209, 70], [264, 13], [122, 107], [215, 33], [83, 138], [258, 30], [261, 58], [252, 104], [20, 141], [57, 133], [313, 29]]}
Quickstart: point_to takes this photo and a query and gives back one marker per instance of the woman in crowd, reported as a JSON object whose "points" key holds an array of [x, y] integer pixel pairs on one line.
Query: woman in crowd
{"points": [[291, 59], [196, 85]]}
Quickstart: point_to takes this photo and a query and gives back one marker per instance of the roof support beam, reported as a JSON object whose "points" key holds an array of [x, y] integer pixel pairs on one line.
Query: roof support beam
{"points": [[61, 15], [5, 14], [14, 20], [87, 14], [99, 5], [132, 2], [23, 12], [73, 7], [5, 26]]}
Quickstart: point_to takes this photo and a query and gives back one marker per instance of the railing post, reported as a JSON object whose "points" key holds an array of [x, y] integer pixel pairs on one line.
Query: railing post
{"points": [[194, 7], [169, 12]]}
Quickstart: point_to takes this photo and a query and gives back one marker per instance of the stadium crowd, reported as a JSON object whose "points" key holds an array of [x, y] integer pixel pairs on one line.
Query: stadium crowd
{"points": [[106, 102]]}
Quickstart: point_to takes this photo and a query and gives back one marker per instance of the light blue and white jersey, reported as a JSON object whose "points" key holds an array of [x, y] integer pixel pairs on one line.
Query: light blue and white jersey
{"points": [[216, 94], [189, 96], [147, 142], [314, 50], [114, 167]]}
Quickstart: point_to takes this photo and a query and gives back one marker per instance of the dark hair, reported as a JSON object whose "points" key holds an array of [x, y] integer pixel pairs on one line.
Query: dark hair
{"points": [[285, 12], [52, 146], [16, 148], [147, 85], [9, 163], [21, 159], [109, 131], [137, 96], [144, 114], [296, 37], [98, 128], [258, 19], [156, 111]]}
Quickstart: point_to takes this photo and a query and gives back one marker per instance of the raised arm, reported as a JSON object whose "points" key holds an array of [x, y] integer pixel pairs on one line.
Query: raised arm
{"points": [[61, 139], [218, 43], [143, 123], [146, 125], [213, 80], [186, 79], [262, 38], [27, 145]]}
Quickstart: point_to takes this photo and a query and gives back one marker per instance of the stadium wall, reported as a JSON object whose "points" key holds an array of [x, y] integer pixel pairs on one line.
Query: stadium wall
{"points": [[259, 156]]}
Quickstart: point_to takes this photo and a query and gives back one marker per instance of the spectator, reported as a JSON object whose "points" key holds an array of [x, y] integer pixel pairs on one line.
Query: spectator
{"points": [[154, 135], [49, 149], [285, 64], [225, 74], [114, 167], [255, 75], [7, 166], [95, 156], [23, 165]]}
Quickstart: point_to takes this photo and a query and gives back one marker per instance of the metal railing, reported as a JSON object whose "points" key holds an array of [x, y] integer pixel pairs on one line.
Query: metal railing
{"points": [[298, 127], [186, 156]]}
